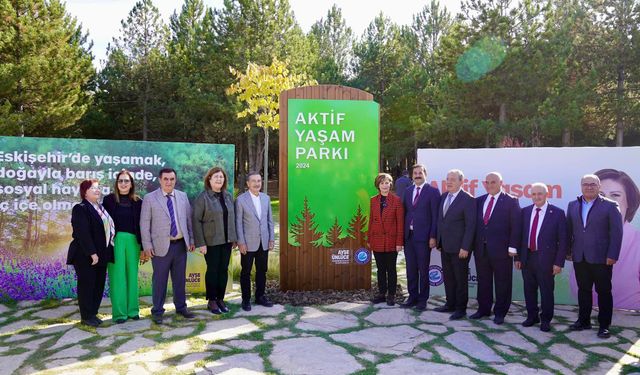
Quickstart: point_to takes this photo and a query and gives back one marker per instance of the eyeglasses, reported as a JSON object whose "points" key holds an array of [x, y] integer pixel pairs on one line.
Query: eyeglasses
{"points": [[121, 181], [593, 184], [95, 188]]}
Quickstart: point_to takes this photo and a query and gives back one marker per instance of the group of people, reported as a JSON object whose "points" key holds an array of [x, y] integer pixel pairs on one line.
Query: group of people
{"points": [[116, 235], [499, 234]]}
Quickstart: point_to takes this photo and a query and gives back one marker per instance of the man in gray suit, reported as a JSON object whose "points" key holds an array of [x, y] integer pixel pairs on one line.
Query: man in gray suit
{"points": [[456, 226], [254, 226], [165, 226], [594, 224]]}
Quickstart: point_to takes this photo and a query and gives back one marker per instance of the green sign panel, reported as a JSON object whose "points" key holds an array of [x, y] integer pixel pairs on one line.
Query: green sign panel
{"points": [[333, 159]]}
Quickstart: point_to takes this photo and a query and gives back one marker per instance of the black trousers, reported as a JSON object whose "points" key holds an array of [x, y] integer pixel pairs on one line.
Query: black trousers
{"points": [[587, 275], [246, 261], [538, 276], [91, 280], [456, 280], [387, 276], [216, 277], [494, 272]]}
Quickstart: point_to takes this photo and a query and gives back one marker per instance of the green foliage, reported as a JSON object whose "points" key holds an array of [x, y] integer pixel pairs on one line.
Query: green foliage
{"points": [[45, 67]]}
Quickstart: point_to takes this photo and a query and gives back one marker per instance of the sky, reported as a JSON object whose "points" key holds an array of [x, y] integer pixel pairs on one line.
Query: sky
{"points": [[101, 18]]}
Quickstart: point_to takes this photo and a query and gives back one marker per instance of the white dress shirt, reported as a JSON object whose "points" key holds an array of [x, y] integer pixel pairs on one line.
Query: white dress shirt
{"points": [[256, 203], [543, 210]]}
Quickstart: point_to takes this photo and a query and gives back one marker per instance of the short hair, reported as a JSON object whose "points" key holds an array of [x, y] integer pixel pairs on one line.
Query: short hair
{"points": [[497, 174], [132, 191], [458, 172], [424, 169], [252, 173], [381, 177], [594, 176], [167, 170], [540, 185], [211, 172], [85, 185], [630, 189]]}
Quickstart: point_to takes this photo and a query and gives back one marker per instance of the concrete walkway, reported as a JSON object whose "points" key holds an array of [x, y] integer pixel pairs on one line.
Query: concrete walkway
{"points": [[343, 338]]}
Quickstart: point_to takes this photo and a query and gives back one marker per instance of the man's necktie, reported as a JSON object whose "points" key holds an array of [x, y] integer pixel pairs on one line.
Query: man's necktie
{"points": [[174, 227], [415, 200], [487, 213], [447, 204], [534, 231]]}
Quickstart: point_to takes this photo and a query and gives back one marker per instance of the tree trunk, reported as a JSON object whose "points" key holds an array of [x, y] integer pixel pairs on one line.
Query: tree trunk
{"points": [[265, 180], [619, 107], [566, 137]]}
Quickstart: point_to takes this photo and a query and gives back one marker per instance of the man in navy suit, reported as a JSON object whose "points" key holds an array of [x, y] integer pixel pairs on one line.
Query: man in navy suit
{"points": [[497, 238], [421, 215], [456, 225], [595, 236], [541, 255]]}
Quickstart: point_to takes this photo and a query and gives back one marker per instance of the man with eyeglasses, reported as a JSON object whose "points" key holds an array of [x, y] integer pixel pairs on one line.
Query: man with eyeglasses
{"points": [[594, 224], [167, 234]]}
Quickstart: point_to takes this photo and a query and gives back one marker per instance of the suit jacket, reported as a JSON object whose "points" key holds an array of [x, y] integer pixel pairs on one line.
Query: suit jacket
{"points": [[386, 230], [208, 219], [601, 238], [424, 214], [251, 230], [456, 229], [401, 185], [155, 222], [503, 229], [109, 204], [88, 236], [553, 238]]}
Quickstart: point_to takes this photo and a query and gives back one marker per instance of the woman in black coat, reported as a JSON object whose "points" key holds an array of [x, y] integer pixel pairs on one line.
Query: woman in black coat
{"points": [[90, 250]]}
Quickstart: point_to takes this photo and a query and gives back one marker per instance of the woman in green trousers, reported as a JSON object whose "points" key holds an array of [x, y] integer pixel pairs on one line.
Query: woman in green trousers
{"points": [[124, 207]]}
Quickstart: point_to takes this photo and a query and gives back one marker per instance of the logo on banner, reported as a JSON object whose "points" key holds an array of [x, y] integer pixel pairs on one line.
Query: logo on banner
{"points": [[340, 256], [362, 256], [435, 275]]}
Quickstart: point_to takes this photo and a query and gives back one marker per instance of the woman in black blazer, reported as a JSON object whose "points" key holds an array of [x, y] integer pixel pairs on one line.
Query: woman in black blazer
{"points": [[90, 250]]}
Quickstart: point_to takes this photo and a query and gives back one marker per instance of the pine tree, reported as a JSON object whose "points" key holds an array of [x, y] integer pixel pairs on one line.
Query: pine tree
{"points": [[45, 65]]}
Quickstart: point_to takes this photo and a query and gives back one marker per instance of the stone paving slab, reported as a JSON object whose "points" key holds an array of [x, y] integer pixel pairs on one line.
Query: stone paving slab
{"points": [[71, 337], [467, 342], [312, 356], [227, 329], [55, 313], [568, 354], [258, 310], [411, 366], [387, 317], [513, 339], [396, 340], [352, 307], [246, 363], [317, 320], [126, 327]]}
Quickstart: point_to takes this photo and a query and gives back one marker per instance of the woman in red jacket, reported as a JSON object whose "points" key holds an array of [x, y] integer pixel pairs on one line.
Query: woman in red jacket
{"points": [[385, 237]]}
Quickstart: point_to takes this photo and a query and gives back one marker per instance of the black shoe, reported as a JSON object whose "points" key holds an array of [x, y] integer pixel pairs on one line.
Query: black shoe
{"points": [[579, 326], [444, 309], [98, 320], [498, 320], [457, 315], [530, 321], [420, 307], [545, 326], [222, 306], [246, 306], [187, 314], [391, 300], [120, 321], [213, 307], [604, 333], [379, 298], [263, 301], [408, 304], [90, 322], [137, 317], [478, 315], [157, 319]]}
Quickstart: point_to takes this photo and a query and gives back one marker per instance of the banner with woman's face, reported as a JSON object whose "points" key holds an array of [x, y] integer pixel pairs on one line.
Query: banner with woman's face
{"points": [[561, 170]]}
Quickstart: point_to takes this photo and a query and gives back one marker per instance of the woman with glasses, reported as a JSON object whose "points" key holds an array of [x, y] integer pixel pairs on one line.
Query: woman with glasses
{"points": [[124, 206], [91, 250]]}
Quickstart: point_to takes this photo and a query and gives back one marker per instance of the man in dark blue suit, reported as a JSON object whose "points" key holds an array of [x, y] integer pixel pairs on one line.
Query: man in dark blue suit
{"points": [[595, 236], [541, 255], [496, 241], [402, 183], [421, 215], [456, 226]]}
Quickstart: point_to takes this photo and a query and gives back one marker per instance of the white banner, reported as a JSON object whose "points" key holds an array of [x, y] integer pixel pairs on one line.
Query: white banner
{"points": [[560, 169]]}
